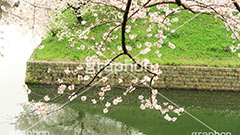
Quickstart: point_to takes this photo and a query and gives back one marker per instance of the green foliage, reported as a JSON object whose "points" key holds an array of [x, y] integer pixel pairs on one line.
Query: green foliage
{"points": [[204, 41]]}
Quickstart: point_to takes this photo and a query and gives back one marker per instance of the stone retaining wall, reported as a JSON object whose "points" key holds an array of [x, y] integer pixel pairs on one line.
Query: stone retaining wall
{"points": [[183, 77]]}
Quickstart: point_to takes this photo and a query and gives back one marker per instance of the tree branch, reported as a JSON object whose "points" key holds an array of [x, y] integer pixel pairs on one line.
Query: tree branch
{"points": [[97, 74], [158, 3], [125, 18], [236, 5]]}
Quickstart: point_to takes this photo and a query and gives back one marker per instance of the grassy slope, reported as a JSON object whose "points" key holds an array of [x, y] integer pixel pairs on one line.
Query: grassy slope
{"points": [[203, 41]]}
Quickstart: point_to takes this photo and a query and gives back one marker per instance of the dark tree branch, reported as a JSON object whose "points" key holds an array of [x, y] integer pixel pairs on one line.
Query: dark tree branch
{"points": [[139, 65], [159, 3], [138, 9], [125, 18], [179, 3], [77, 12], [169, 15], [97, 74], [236, 5], [110, 33]]}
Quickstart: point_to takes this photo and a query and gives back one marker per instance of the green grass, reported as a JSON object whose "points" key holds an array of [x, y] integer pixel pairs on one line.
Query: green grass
{"points": [[204, 41], [217, 109]]}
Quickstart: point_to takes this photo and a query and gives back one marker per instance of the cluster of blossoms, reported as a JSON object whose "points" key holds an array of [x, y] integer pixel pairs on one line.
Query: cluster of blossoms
{"points": [[38, 108], [156, 70], [91, 61], [36, 14], [114, 102], [171, 45], [151, 103], [61, 88], [99, 47], [41, 108], [25, 87], [74, 72], [101, 94], [129, 90]]}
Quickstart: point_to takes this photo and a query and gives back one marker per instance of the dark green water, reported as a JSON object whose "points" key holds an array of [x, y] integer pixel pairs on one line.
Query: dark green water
{"points": [[217, 100], [220, 110]]}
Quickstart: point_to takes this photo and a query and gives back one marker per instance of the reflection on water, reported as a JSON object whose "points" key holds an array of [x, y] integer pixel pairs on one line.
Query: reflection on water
{"points": [[71, 122], [218, 109]]}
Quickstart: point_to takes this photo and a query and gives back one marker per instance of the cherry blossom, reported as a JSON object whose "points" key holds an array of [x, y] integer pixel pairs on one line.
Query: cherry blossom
{"points": [[105, 110], [71, 87], [83, 98], [40, 16], [46, 98]]}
